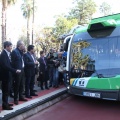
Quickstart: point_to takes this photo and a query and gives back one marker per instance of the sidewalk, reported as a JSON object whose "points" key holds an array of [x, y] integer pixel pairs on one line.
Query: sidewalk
{"points": [[11, 99], [43, 96]]}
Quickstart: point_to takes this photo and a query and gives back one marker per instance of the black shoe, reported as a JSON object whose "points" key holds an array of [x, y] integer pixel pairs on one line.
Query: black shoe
{"points": [[16, 102], [42, 88], [22, 99], [47, 88], [34, 90], [10, 104], [33, 94], [7, 108], [57, 86], [11, 95], [28, 96]]}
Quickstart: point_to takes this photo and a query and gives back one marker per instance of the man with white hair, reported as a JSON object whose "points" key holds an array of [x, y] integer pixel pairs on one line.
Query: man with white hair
{"points": [[5, 72], [18, 63]]}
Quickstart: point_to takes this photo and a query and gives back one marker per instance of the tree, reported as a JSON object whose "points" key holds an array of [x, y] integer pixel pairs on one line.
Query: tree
{"points": [[105, 9], [5, 5], [63, 25], [83, 11], [45, 39], [23, 36], [27, 8]]}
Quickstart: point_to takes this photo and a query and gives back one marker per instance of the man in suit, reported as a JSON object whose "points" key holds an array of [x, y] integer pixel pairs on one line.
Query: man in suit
{"points": [[30, 65], [43, 70], [18, 63], [6, 70]]}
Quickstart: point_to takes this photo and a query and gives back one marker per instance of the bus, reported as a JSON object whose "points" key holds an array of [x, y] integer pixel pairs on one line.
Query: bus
{"points": [[93, 59]]}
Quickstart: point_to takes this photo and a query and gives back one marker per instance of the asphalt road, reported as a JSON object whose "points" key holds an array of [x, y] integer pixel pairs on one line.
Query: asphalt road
{"points": [[80, 108]]}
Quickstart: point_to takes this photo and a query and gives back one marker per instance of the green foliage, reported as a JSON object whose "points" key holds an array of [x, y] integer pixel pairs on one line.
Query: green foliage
{"points": [[63, 25], [105, 9], [45, 39], [5, 5], [27, 8], [23, 38], [83, 11], [10, 2]]}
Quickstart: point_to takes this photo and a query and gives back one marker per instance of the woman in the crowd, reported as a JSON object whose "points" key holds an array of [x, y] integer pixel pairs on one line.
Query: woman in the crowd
{"points": [[43, 70]]}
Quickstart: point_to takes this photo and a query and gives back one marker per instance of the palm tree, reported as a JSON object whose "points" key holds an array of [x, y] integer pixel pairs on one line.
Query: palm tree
{"points": [[105, 9], [27, 8], [5, 4]]}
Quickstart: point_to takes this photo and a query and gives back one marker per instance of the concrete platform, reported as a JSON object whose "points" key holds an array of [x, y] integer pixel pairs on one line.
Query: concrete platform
{"points": [[44, 99]]}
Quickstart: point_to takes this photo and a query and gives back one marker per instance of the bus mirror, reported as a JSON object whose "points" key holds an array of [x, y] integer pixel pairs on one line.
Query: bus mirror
{"points": [[66, 43], [65, 47]]}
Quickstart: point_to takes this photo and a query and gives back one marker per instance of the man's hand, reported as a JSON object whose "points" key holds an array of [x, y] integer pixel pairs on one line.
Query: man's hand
{"points": [[36, 62], [54, 60], [18, 71]]}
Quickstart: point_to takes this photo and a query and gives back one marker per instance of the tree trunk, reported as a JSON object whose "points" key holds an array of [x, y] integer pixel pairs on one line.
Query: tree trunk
{"points": [[33, 25], [3, 23], [28, 32]]}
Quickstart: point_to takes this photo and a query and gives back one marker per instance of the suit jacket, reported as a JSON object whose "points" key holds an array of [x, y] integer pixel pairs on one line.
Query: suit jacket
{"points": [[5, 66], [42, 67], [29, 64], [16, 57]]}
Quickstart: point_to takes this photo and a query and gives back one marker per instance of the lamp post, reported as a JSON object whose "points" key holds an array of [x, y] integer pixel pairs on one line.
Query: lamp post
{"points": [[33, 25]]}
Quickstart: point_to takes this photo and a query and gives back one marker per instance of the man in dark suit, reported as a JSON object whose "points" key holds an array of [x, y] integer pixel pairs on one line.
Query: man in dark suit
{"points": [[43, 70], [18, 63], [30, 65], [6, 70]]}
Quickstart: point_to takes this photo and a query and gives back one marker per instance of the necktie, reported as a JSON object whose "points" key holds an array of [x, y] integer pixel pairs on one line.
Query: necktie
{"points": [[44, 61], [9, 57], [23, 62], [33, 58]]}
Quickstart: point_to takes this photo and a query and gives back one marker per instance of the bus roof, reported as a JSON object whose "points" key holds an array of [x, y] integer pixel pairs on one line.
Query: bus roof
{"points": [[104, 22]]}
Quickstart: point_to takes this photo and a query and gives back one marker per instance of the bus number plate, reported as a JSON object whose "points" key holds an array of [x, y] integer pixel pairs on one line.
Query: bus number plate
{"points": [[89, 94]]}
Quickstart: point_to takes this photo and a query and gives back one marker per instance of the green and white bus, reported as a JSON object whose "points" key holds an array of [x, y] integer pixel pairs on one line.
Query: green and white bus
{"points": [[93, 59]]}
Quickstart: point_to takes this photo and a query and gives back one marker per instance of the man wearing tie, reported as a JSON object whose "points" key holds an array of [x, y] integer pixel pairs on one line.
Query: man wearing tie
{"points": [[43, 70], [30, 65], [6, 70], [18, 63]]}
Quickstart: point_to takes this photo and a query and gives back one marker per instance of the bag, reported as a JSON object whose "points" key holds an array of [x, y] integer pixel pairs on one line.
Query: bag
{"points": [[61, 68], [36, 70], [40, 77]]}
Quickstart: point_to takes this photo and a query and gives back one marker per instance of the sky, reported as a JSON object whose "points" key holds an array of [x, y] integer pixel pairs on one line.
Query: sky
{"points": [[44, 15]]}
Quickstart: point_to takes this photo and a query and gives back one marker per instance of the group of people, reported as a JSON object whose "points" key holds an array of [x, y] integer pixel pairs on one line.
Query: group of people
{"points": [[18, 69]]}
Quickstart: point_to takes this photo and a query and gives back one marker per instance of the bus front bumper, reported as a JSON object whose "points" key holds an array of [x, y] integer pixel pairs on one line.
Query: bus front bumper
{"points": [[95, 93]]}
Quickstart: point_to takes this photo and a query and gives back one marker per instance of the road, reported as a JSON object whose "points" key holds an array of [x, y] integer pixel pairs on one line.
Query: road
{"points": [[80, 108]]}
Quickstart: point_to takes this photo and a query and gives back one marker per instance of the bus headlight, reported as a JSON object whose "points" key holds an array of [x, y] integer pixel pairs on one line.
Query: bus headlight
{"points": [[68, 81], [68, 87], [67, 78]]}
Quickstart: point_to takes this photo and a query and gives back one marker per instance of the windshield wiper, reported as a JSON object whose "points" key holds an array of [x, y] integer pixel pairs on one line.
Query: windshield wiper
{"points": [[99, 75], [86, 73]]}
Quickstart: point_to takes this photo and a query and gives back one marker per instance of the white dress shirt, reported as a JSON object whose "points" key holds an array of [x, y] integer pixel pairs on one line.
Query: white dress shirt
{"points": [[8, 53]]}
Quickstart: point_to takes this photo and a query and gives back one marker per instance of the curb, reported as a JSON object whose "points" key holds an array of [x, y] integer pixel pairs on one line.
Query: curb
{"points": [[36, 107]]}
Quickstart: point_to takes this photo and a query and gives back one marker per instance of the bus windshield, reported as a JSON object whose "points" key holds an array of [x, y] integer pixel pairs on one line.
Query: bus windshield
{"points": [[101, 55]]}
